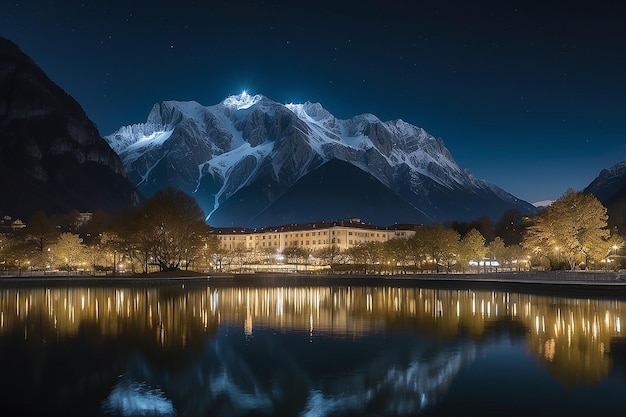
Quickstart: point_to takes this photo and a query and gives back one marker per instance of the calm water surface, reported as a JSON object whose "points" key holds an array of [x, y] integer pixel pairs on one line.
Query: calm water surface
{"points": [[335, 351]]}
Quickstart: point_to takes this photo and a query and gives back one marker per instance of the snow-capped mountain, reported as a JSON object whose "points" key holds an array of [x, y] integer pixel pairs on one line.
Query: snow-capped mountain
{"points": [[248, 150]]}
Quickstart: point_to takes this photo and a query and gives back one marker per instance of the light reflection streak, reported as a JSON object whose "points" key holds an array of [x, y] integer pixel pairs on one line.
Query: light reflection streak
{"points": [[569, 325]]}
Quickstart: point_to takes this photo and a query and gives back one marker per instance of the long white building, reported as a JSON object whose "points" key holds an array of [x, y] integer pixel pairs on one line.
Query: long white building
{"points": [[311, 236]]}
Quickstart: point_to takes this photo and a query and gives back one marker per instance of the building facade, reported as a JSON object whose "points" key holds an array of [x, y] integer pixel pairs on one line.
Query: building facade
{"points": [[311, 236]]}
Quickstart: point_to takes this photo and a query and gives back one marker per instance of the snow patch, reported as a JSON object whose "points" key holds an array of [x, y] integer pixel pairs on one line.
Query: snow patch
{"points": [[543, 203], [153, 139], [223, 165]]}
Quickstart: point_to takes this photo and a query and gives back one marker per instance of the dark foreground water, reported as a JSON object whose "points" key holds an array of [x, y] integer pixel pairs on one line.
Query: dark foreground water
{"points": [[308, 352]]}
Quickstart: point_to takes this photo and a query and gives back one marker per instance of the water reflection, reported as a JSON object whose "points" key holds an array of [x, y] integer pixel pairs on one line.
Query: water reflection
{"points": [[288, 351]]}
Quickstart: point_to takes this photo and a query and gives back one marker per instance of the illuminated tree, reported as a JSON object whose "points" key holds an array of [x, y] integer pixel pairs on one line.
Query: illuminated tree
{"points": [[5, 245], [497, 251], [398, 252], [68, 252], [327, 255], [605, 252], [569, 227], [515, 255], [417, 250], [209, 251], [15, 252], [440, 243], [366, 254], [296, 254], [472, 247]]}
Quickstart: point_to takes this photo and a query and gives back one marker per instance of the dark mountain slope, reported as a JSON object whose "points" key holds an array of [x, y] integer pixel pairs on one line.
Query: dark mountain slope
{"points": [[333, 191], [51, 155], [610, 188]]}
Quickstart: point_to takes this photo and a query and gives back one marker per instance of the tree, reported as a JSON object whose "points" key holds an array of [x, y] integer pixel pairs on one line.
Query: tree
{"points": [[417, 250], [209, 250], [515, 254], [497, 251], [605, 252], [397, 252], [472, 247], [68, 251], [296, 254], [174, 225], [15, 252], [568, 228], [327, 255], [366, 254], [40, 235], [440, 243], [6, 244], [132, 233]]}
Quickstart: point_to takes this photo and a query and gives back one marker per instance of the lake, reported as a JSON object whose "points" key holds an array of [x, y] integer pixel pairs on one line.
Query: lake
{"points": [[308, 351]]}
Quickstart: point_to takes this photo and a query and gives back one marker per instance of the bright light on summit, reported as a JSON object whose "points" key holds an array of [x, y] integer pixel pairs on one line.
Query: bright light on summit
{"points": [[242, 101]]}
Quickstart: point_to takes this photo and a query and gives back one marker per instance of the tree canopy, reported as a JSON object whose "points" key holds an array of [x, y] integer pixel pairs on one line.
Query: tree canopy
{"points": [[570, 230], [174, 226]]}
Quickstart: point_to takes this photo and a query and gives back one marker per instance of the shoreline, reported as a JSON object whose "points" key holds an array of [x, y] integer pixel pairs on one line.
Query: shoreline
{"points": [[546, 282]]}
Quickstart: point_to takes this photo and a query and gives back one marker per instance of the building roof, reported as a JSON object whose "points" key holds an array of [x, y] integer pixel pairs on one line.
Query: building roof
{"points": [[293, 227]]}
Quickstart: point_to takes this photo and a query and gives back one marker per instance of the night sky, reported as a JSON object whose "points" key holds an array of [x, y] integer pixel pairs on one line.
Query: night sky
{"points": [[529, 97]]}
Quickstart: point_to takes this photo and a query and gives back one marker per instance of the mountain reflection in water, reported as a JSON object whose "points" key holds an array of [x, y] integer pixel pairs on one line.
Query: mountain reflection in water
{"points": [[280, 351]]}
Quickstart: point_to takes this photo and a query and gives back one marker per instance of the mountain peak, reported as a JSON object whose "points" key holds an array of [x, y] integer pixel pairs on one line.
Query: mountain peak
{"points": [[242, 101]]}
